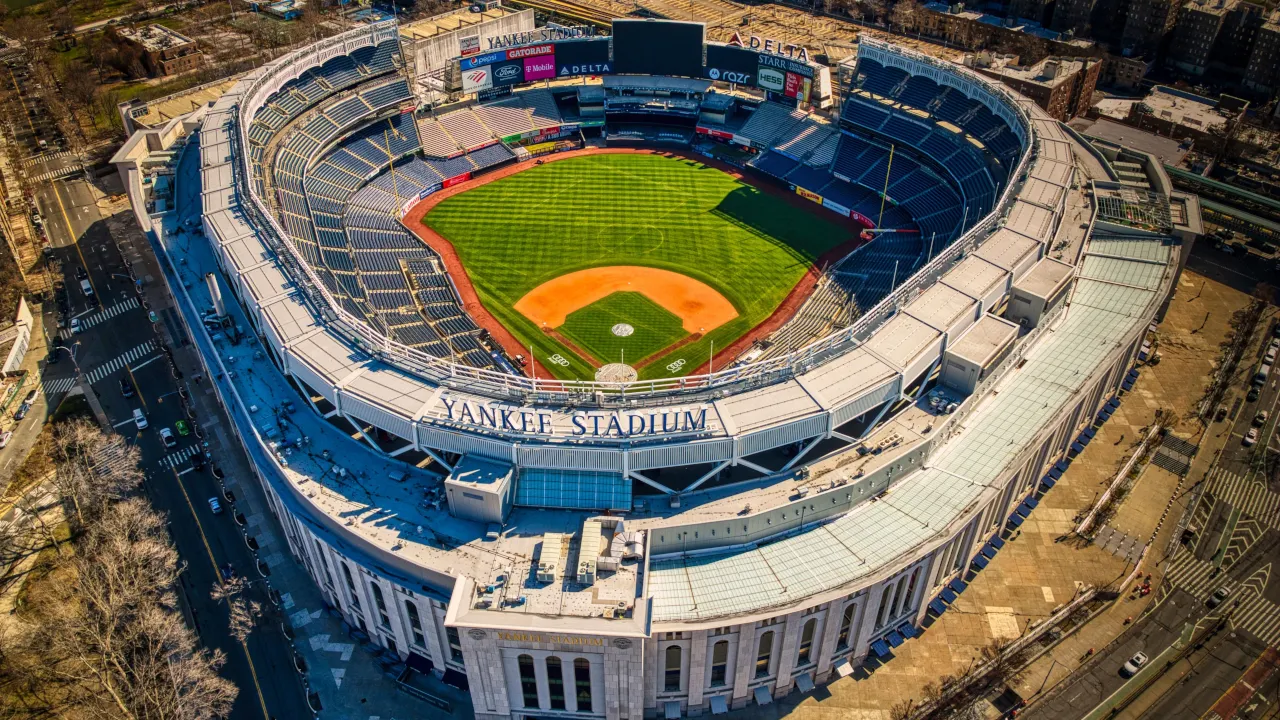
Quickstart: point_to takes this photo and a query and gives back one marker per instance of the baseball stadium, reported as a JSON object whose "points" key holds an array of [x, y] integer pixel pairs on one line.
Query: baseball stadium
{"points": [[632, 375]]}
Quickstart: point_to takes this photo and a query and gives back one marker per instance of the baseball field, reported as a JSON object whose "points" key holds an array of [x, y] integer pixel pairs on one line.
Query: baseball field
{"points": [[644, 259]]}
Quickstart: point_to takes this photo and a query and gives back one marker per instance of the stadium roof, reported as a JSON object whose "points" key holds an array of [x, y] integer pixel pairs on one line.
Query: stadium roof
{"points": [[866, 541]]}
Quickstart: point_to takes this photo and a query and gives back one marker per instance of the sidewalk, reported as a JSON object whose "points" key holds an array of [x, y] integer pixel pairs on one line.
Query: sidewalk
{"points": [[350, 684]]}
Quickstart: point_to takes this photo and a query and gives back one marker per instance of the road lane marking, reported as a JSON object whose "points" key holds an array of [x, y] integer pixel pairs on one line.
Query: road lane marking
{"points": [[217, 576]]}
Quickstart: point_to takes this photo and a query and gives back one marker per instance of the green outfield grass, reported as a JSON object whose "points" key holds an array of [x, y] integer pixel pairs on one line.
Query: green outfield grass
{"points": [[591, 328], [514, 234]]}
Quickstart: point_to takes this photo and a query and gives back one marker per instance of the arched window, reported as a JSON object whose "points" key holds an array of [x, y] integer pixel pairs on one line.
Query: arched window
{"points": [[582, 683], [764, 654], [909, 599], [806, 643], [671, 678], [719, 662], [528, 682], [555, 683], [846, 626]]}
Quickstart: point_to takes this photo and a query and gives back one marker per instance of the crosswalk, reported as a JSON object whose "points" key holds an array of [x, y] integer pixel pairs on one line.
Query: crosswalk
{"points": [[56, 386], [180, 456], [1257, 614], [101, 316], [118, 362], [45, 157], [55, 174], [1196, 576], [1247, 494]]}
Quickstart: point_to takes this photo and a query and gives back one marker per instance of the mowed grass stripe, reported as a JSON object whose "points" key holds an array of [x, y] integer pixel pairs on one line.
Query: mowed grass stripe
{"points": [[591, 328], [621, 209]]}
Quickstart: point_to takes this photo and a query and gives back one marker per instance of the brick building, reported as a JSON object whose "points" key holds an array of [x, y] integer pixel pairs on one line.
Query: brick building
{"points": [[1064, 87], [164, 51], [1147, 25], [1239, 33], [1263, 72], [1196, 34]]}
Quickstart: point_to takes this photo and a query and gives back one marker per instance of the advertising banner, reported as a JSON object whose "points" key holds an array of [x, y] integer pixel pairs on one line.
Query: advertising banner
{"points": [[513, 138], [793, 85], [836, 207], [529, 51], [469, 45], [739, 140], [861, 218], [811, 196], [540, 148], [583, 57], [718, 134], [494, 93], [406, 109], [731, 64], [450, 182], [407, 205], [477, 79], [485, 59], [539, 67], [771, 79], [506, 73]]}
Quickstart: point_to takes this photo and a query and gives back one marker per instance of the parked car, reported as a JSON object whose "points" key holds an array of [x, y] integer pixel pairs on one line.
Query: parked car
{"points": [[23, 409], [5, 437], [31, 396], [1217, 597], [1260, 419], [1251, 437], [167, 437], [1134, 664], [1253, 394]]}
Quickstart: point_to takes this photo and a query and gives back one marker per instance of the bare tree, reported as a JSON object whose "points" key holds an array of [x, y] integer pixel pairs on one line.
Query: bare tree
{"points": [[244, 613], [906, 15], [109, 638], [92, 467]]}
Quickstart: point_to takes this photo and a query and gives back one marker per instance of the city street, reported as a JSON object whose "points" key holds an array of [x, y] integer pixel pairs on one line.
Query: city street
{"points": [[119, 343]]}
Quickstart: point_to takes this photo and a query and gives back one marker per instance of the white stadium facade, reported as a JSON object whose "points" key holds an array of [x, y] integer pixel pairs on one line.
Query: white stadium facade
{"points": [[669, 548]]}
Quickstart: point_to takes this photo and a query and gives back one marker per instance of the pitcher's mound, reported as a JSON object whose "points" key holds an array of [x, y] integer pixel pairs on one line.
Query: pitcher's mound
{"points": [[616, 373]]}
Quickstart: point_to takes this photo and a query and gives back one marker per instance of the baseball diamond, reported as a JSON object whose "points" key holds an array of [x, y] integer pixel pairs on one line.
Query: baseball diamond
{"points": [[915, 334], [715, 251]]}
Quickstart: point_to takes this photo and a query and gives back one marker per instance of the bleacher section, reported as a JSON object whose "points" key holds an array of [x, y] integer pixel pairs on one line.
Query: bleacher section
{"points": [[340, 204]]}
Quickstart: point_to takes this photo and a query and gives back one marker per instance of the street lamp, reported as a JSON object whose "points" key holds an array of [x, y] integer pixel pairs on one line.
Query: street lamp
{"points": [[72, 352]]}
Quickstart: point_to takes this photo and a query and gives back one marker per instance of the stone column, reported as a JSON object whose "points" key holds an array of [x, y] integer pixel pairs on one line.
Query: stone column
{"points": [[825, 644], [744, 668], [786, 652], [697, 669]]}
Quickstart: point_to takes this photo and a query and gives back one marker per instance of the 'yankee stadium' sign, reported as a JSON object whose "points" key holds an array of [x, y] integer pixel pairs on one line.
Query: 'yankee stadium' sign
{"points": [[539, 35], [581, 424]]}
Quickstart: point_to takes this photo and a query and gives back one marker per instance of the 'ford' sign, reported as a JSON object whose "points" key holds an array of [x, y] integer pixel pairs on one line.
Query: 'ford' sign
{"points": [[508, 73]]}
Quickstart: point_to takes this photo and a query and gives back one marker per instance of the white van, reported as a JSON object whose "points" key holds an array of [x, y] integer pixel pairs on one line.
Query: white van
{"points": [[86, 288], [1263, 373], [139, 419]]}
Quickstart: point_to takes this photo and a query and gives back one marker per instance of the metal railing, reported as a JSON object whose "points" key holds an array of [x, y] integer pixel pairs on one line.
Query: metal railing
{"points": [[574, 392]]}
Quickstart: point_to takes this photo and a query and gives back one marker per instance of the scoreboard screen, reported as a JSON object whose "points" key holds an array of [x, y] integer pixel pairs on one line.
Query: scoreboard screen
{"points": [[658, 47]]}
